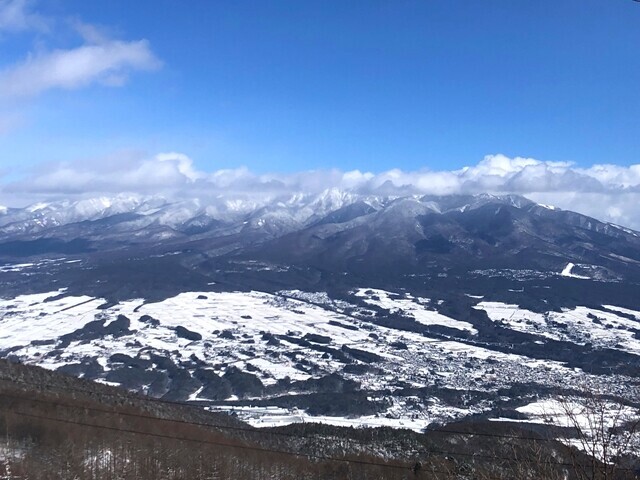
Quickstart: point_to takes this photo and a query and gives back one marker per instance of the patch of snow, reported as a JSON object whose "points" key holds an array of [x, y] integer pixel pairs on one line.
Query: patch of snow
{"points": [[625, 230], [407, 305], [45, 320], [626, 311], [37, 206], [591, 420], [579, 325], [395, 417], [16, 267], [548, 207], [566, 272]]}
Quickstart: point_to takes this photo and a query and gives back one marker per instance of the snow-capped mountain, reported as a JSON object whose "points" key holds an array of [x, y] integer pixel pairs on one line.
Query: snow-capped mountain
{"points": [[335, 231], [289, 211], [299, 209]]}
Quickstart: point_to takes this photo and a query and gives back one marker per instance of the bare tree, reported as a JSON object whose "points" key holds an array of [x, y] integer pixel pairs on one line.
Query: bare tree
{"points": [[603, 431]]}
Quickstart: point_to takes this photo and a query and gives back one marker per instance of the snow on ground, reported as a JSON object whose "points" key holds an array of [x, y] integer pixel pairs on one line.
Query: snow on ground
{"points": [[592, 417], [15, 267], [235, 327], [318, 298], [548, 207], [263, 417], [277, 369], [12, 451], [250, 312], [270, 416], [566, 272], [480, 353], [28, 267], [244, 316], [517, 318], [410, 306], [580, 325], [577, 413], [29, 317]]}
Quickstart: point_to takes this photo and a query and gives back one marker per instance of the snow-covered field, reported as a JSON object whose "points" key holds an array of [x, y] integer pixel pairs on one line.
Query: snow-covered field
{"points": [[573, 412], [311, 332], [420, 309], [263, 417], [580, 325], [593, 421]]}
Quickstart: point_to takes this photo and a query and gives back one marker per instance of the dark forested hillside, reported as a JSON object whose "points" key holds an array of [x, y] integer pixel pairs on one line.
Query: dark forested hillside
{"points": [[55, 426]]}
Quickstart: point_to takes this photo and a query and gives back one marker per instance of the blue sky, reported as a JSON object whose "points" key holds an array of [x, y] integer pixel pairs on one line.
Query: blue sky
{"points": [[370, 85], [188, 99]]}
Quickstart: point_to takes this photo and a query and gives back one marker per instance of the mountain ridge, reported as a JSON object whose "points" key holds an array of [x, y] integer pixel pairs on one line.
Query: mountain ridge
{"points": [[335, 229]]}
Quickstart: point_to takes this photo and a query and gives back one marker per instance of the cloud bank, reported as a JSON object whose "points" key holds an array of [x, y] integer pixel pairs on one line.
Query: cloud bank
{"points": [[607, 192]]}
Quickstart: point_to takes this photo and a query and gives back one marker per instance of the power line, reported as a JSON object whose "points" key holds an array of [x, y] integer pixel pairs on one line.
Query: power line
{"points": [[261, 432], [151, 417], [220, 444], [253, 430], [270, 450], [78, 407]]}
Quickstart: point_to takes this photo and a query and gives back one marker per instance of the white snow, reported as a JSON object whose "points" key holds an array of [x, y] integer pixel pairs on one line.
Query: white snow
{"points": [[407, 305], [16, 267], [624, 229], [37, 320], [37, 206], [573, 412], [267, 312], [594, 418], [41, 264], [566, 272], [246, 316], [579, 325], [548, 207], [394, 417]]}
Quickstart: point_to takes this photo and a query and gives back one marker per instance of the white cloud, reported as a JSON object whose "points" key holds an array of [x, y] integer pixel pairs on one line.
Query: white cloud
{"points": [[97, 59], [107, 63], [90, 33], [607, 192], [164, 172], [184, 164], [15, 16]]}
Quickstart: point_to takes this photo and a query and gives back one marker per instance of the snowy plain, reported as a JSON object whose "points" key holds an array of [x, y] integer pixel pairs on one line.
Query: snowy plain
{"points": [[230, 328]]}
